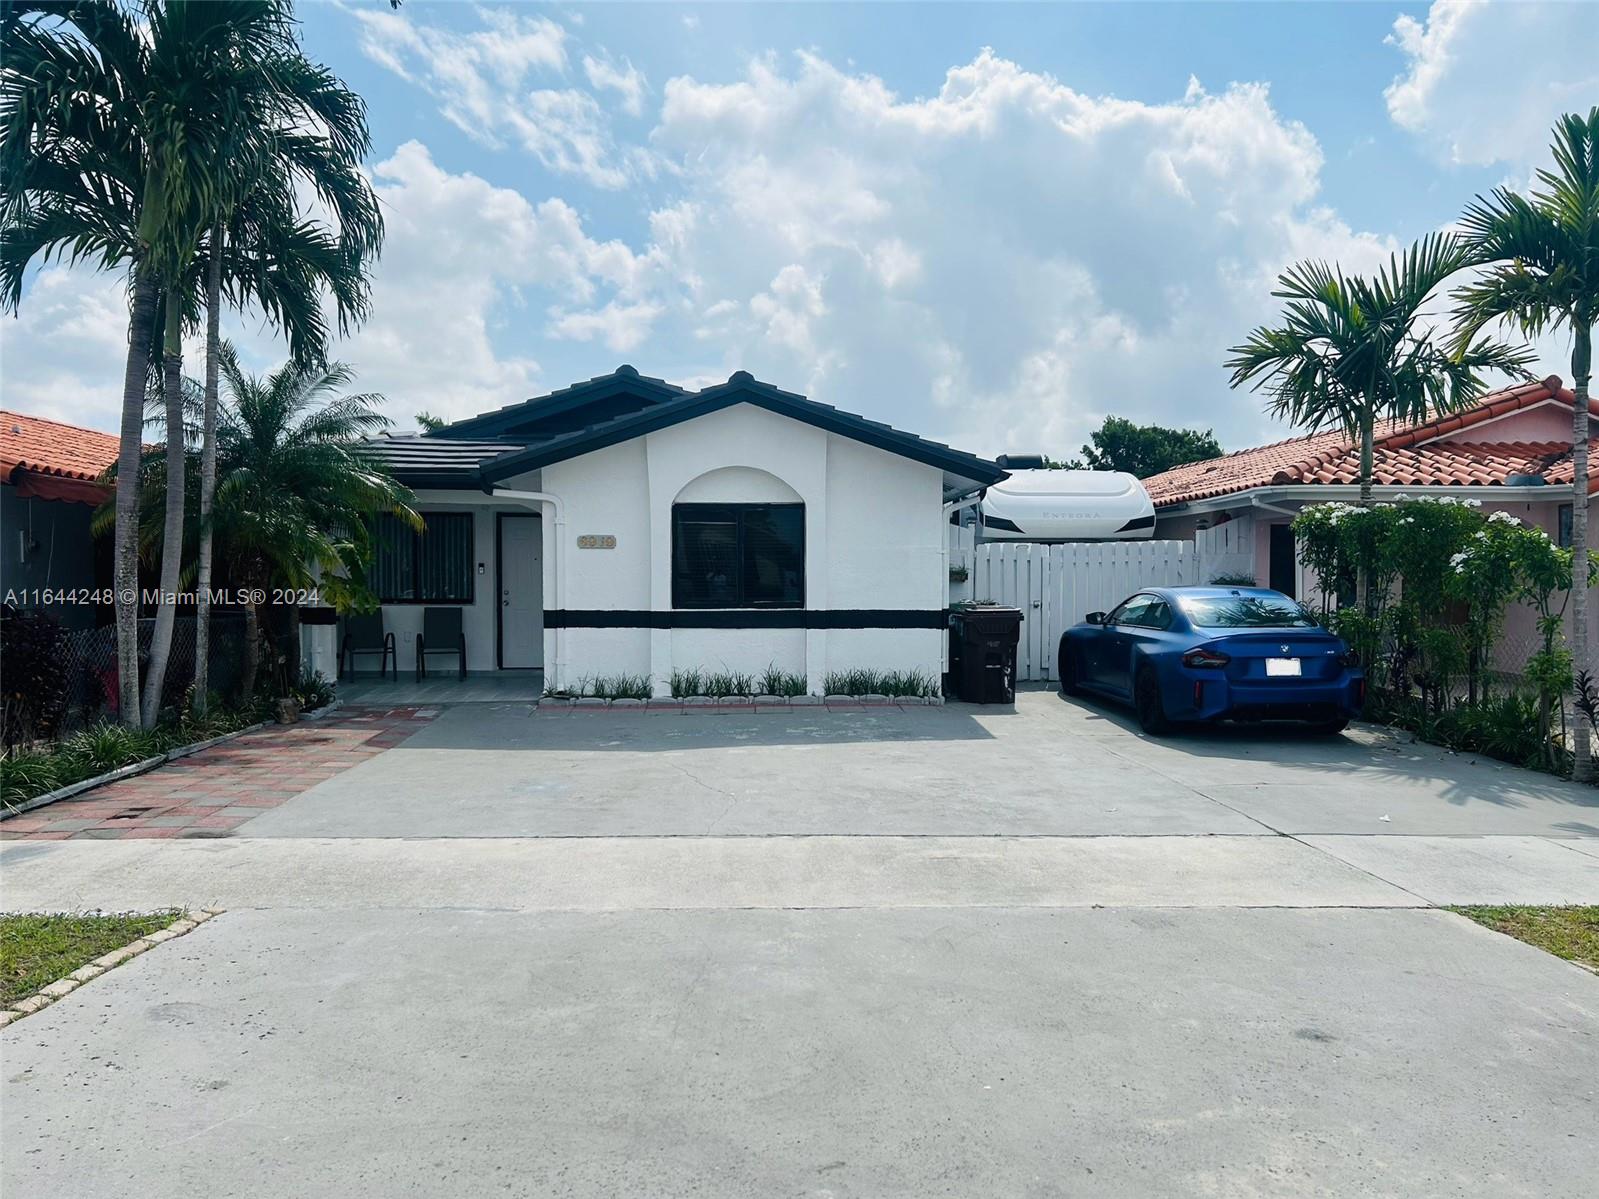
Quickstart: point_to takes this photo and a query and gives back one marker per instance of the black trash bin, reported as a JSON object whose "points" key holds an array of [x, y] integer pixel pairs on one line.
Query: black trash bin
{"points": [[982, 653]]}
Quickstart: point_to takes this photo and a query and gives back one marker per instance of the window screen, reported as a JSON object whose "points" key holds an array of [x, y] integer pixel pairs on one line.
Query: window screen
{"points": [[738, 556], [434, 566]]}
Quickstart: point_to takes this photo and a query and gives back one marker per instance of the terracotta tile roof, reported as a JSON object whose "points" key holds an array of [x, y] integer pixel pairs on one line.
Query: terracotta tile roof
{"points": [[47, 449], [1405, 455]]}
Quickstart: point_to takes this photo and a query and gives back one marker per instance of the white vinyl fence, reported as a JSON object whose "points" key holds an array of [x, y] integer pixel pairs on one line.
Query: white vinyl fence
{"points": [[1055, 586]]}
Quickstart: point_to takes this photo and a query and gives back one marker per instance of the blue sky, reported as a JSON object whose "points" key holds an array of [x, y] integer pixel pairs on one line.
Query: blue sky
{"points": [[992, 224]]}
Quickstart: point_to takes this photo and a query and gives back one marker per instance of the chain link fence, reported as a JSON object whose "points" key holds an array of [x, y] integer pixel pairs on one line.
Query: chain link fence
{"points": [[64, 681]]}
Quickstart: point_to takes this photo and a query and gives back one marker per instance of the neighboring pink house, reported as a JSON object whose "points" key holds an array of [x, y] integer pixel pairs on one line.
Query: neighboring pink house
{"points": [[1512, 451]]}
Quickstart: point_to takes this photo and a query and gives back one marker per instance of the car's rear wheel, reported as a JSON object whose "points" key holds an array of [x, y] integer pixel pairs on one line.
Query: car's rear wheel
{"points": [[1148, 705], [1071, 682], [1331, 728]]}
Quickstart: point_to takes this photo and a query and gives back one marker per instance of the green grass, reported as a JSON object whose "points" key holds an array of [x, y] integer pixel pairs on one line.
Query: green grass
{"points": [[37, 950], [1570, 933]]}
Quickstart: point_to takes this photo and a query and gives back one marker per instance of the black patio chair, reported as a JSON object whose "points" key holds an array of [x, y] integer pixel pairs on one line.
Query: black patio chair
{"points": [[441, 634], [366, 635]]}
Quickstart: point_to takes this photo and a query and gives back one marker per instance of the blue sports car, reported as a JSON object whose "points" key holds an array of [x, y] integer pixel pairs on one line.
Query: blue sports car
{"points": [[1214, 653]]}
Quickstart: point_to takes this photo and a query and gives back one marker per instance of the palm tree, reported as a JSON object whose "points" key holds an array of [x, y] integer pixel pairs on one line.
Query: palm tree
{"points": [[1541, 254], [74, 184], [297, 490], [123, 141], [1352, 351], [288, 266]]}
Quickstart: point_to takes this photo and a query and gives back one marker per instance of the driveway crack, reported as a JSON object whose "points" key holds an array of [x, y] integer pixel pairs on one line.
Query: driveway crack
{"points": [[732, 796]]}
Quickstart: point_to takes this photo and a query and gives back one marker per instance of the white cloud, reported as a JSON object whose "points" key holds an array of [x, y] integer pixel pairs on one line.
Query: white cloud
{"points": [[627, 81], [1484, 83], [1000, 263], [483, 82], [467, 266], [65, 350]]}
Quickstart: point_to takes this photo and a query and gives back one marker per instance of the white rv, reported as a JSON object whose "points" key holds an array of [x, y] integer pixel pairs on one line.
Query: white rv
{"points": [[1064, 505]]}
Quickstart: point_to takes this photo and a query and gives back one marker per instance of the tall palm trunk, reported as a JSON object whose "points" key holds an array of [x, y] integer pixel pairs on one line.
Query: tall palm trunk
{"points": [[141, 326], [172, 530], [1581, 370], [208, 472], [252, 650], [1362, 568]]}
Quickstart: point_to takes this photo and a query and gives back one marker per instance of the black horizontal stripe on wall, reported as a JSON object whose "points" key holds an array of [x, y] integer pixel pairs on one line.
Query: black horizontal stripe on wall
{"points": [[747, 618]]}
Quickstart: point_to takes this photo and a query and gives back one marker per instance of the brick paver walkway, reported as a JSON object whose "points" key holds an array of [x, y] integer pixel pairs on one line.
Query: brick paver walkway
{"points": [[213, 792]]}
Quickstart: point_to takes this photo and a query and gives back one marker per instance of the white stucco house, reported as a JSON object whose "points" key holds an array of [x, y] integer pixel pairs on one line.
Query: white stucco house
{"points": [[625, 525]]}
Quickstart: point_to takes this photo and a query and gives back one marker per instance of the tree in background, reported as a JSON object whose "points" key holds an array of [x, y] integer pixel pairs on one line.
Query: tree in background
{"points": [[1352, 351], [1542, 258], [1143, 450]]}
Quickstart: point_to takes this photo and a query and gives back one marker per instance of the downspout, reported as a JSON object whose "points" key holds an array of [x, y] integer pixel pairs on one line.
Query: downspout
{"points": [[948, 510], [555, 671]]}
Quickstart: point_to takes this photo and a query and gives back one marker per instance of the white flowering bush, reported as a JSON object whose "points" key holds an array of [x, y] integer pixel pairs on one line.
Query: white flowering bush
{"points": [[1441, 575]]}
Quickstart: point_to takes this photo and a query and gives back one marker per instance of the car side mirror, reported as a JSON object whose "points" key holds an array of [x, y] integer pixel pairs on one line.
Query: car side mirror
{"points": [[1095, 618]]}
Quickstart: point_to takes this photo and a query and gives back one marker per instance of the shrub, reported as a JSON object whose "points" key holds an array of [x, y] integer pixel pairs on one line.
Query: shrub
{"points": [[1508, 727], [688, 682], [37, 684], [1233, 579], [729, 682], [24, 775], [881, 682], [778, 682], [313, 691], [621, 686]]}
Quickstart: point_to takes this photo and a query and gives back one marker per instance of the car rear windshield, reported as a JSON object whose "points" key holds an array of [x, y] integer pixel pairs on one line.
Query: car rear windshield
{"points": [[1245, 612]]}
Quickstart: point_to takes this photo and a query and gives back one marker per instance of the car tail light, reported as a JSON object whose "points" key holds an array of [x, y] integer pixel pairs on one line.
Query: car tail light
{"points": [[1205, 658]]}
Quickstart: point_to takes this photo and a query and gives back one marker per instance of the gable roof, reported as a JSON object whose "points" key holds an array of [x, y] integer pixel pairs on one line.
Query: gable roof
{"points": [[50, 459], [962, 472], [1426, 454], [624, 389]]}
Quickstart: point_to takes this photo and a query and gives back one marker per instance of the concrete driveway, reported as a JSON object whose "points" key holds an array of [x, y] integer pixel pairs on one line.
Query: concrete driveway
{"points": [[946, 951], [1050, 767]]}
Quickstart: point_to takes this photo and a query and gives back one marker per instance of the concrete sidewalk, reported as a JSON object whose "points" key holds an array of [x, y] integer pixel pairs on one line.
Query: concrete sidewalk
{"points": [[622, 873], [882, 1053]]}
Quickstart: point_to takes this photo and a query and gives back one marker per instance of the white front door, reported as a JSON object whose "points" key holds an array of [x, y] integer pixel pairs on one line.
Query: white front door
{"points": [[521, 592]]}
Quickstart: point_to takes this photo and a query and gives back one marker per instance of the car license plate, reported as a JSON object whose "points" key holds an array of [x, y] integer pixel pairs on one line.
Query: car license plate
{"points": [[1279, 668]]}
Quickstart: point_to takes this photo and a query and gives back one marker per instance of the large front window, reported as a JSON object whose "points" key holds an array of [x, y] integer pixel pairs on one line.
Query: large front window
{"points": [[430, 567], [738, 556]]}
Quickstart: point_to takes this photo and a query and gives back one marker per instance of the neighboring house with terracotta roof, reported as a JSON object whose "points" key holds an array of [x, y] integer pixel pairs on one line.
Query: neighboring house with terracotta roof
{"points": [[50, 485], [1511, 451]]}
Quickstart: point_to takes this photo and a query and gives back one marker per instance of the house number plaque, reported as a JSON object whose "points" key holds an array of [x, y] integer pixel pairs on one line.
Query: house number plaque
{"points": [[596, 541]]}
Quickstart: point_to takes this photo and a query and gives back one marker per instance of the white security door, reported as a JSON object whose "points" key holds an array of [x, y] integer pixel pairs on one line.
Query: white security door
{"points": [[521, 593]]}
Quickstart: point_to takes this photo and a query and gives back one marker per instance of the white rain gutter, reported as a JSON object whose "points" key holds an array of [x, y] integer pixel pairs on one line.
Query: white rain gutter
{"points": [[1256, 502], [1316, 493], [554, 672]]}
